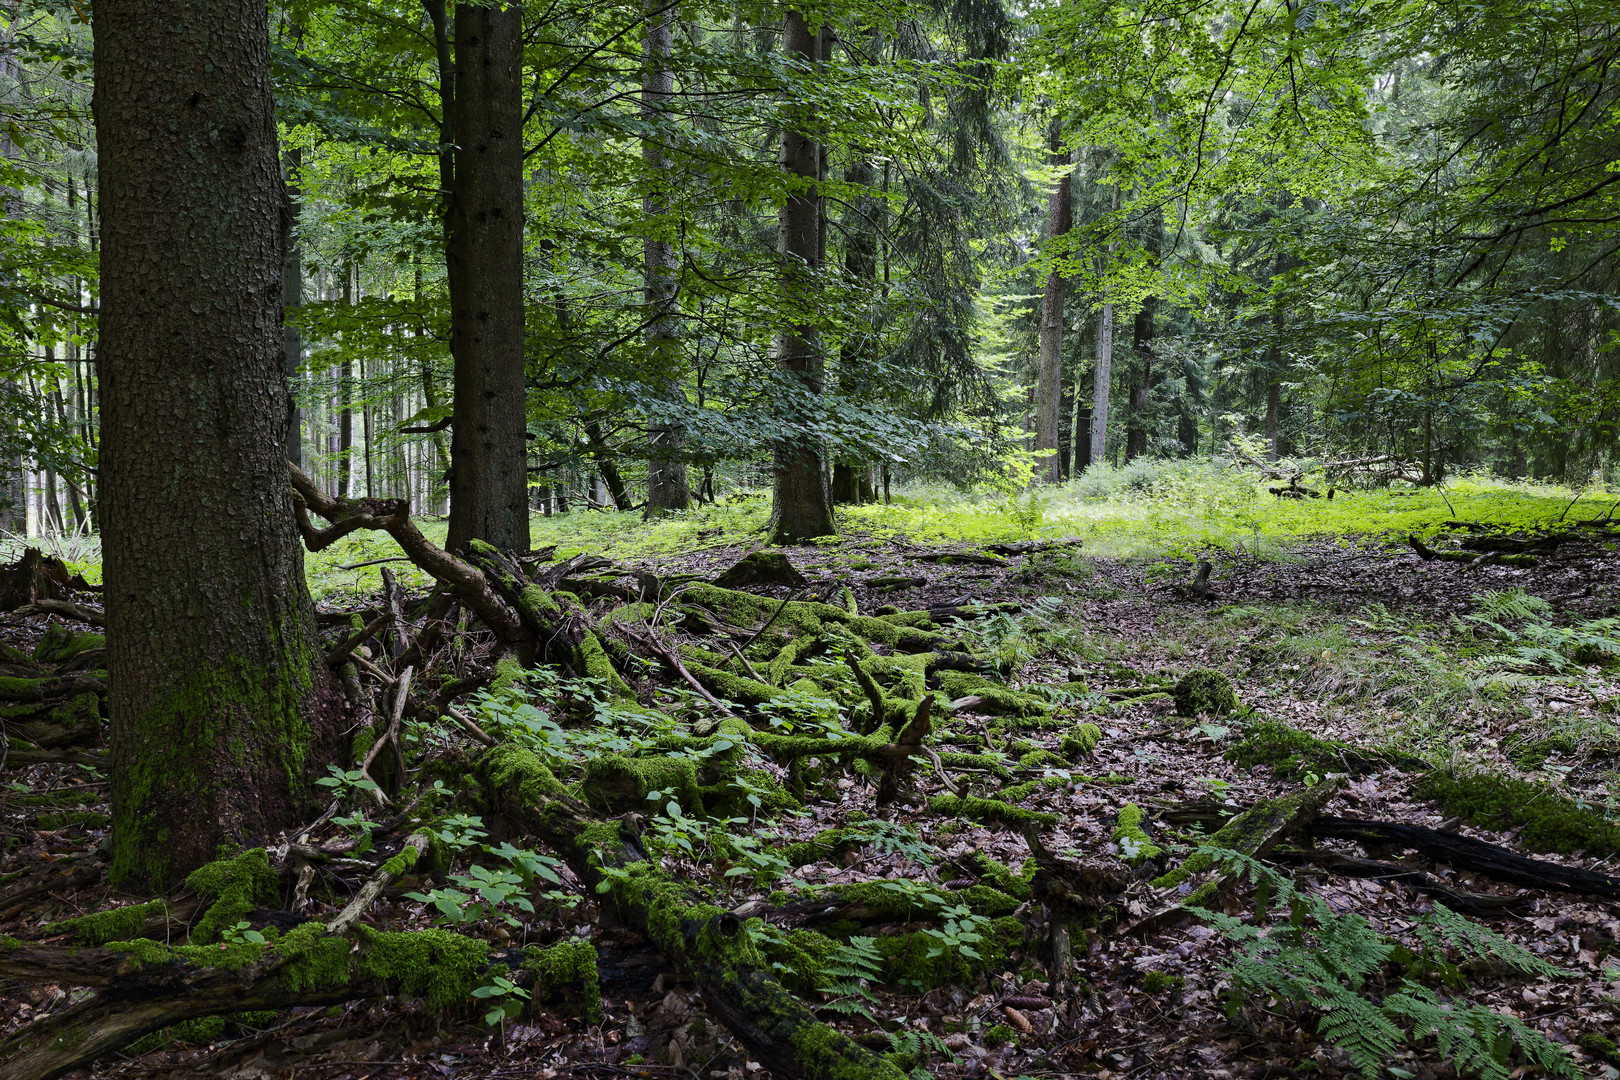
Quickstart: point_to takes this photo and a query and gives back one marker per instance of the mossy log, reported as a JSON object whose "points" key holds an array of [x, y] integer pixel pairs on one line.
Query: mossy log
{"points": [[1253, 832], [715, 947]]}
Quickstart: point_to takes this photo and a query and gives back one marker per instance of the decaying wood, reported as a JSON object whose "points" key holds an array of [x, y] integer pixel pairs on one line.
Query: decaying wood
{"points": [[709, 943], [1466, 853], [1478, 904]]}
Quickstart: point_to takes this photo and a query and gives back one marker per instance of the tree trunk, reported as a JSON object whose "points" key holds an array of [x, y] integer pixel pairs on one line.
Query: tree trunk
{"points": [[1136, 438], [1049, 378], [667, 488], [292, 298], [489, 481], [13, 488], [801, 506], [217, 682], [1104, 374], [345, 436]]}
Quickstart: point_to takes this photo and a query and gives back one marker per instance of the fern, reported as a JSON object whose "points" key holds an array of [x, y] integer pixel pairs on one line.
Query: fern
{"points": [[1320, 960], [846, 975]]}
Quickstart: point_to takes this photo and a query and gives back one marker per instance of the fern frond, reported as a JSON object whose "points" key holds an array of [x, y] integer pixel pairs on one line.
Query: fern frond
{"points": [[1480, 944]]}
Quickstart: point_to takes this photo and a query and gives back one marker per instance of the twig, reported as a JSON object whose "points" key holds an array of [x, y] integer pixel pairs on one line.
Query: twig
{"points": [[338, 656], [374, 562], [732, 645], [772, 620], [470, 727], [373, 888], [401, 691]]}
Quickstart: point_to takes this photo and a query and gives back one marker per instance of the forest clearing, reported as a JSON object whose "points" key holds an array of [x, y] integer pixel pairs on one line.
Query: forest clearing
{"points": [[830, 541]]}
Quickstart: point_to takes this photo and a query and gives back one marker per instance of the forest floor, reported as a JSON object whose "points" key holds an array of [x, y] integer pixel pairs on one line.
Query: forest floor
{"points": [[1351, 658]]}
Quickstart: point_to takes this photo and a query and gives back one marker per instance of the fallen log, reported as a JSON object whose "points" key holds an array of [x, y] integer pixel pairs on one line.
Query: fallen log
{"points": [[1480, 905], [714, 946], [1466, 853]]}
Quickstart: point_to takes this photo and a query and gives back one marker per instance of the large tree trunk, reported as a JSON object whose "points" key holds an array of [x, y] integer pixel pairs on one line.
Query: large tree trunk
{"points": [[801, 507], [13, 490], [215, 672], [489, 489], [292, 292], [667, 488], [1049, 379]]}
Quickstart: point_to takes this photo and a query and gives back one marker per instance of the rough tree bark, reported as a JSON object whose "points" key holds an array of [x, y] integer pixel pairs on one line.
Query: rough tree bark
{"points": [[801, 507], [484, 259], [216, 680], [667, 487], [1049, 381]]}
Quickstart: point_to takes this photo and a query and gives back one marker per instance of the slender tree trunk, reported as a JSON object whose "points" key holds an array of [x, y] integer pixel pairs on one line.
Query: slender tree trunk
{"points": [[1049, 378], [215, 671], [489, 480], [667, 488], [13, 486], [292, 298], [1104, 374], [801, 506], [1136, 436]]}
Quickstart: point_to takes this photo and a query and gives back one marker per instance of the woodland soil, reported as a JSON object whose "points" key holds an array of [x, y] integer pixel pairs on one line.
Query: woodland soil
{"points": [[1322, 639]]}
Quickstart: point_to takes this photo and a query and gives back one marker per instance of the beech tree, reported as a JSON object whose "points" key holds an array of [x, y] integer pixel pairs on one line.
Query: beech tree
{"points": [[215, 677]]}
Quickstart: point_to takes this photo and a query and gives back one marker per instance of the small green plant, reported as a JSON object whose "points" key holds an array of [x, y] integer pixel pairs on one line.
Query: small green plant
{"points": [[241, 933], [847, 975], [505, 997], [1366, 986], [346, 782]]}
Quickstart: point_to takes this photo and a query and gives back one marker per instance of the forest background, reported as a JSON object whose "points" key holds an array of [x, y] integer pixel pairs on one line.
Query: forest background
{"points": [[1095, 231]]}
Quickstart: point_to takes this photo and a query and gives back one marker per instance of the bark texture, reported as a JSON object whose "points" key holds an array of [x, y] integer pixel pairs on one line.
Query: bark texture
{"points": [[210, 627], [1104, 374], [484, 259], [1049, 381], [667, 487], [801, 507]]}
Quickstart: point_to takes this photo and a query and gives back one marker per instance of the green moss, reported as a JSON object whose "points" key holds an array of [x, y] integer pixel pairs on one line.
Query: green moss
{"points": [[1548, 821], [565, 964], [1081, 740], [119, 924], [998, 699], [236, 885], [728, 687], [15, 689], [1158, 982], [361, 742], [508, 674], [438, 965], [1205, 691], [800, 957], [197, 1032], [620, 783], [194, 740], [1135, 846], [314, 959], [1000, 1035], [593, 663], [1041, 759], [822, 1051], [988, 811], [1597, 1044], [1241, 833], [520, 774], [1291, 752], [59, 645], [403, 862], [992, 763], [89, 819], [907, 961]]}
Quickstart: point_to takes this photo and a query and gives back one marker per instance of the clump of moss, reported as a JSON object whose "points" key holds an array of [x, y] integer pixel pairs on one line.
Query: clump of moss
{"points": [[996, 698], [1205, 691], [800, 957], [438, 965], [1157, 982], [1081, 740], [1548, 821], [119, 924], [1003, 878], [907, 959], [619, 783], [1040, 759], [236, 885], [59, 645], [1290, 751], [1135, 845], [988, 811], [89, 819], [565, 964], [198, 1032], [1000, 1035]]}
